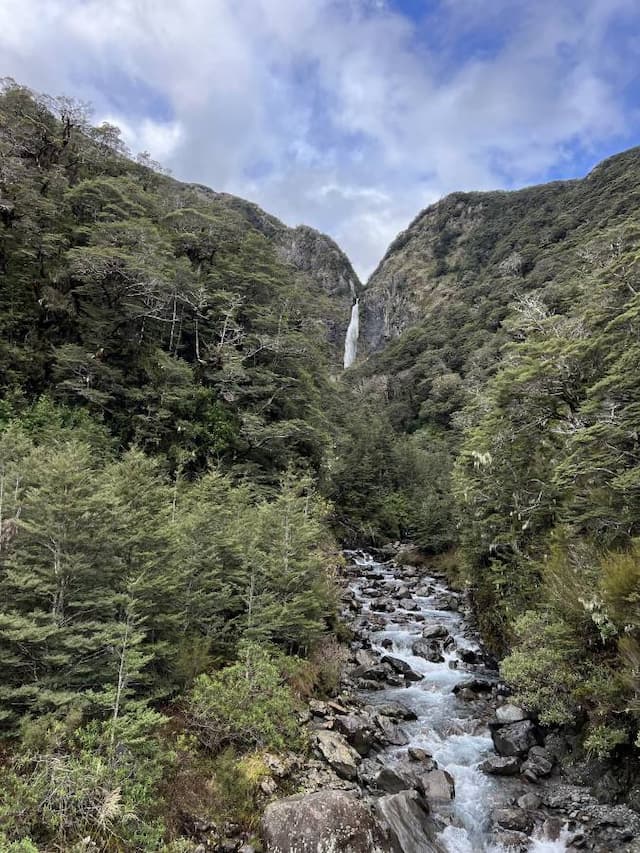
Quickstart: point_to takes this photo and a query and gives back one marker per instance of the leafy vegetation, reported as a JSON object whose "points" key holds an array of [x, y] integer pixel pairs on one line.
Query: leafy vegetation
{"points": [[513, 350], [168, 420]]}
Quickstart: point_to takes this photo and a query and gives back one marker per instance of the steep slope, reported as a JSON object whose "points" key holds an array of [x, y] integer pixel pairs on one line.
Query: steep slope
{"points": [[446, 284], [191, 322], [503, 329]]}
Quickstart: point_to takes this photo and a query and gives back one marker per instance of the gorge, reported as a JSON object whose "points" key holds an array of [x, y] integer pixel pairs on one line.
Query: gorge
{"points": [[201, 406]]}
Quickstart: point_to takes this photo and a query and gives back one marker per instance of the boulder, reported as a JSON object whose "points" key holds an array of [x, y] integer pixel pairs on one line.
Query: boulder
{"points": [[475, 685], [514, 738], [338, 754], [497, 765], [408, 604], [515, 819], [435, 632], [415, 753], [428, 650], [471, 656], [390, 733], [325, 822], [357, 731], [437, 786], [395, 710], [510, 714], [382, 605], [539, 763], [396, 778], [446, 602], [406, 818], [366, 658], [402, 668], [386, 643]]}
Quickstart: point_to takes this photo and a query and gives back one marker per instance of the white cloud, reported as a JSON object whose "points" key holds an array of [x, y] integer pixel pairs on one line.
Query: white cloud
{"points": [[339, 113]]}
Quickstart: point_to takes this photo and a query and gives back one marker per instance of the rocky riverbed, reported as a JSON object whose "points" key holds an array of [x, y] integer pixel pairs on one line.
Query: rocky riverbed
{"points": [[423, 750]]}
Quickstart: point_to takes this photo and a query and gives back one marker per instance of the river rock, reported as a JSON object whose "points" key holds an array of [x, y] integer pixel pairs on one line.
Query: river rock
{"points": [[408, 604], [402, 668], [365, 657], [391, 733], [338, 754], [437, 786], [447, 601], [398, 777], [357, 730], [395, 710], [539, 763], [416, 753], [515, 819], [471, 656], [383, 605], [514, 738], [324, 822], [428, 650], [510, 714], [475, 685], [386, 643], [406, 816], [435, 632], [498, 765]]}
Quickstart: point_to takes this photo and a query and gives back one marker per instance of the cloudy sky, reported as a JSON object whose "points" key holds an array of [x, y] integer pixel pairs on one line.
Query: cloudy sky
{"points": [[348, 115]]}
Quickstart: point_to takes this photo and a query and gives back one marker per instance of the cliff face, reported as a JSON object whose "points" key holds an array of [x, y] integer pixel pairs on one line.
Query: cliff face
{"points": [[317, 259], [482, 250]]}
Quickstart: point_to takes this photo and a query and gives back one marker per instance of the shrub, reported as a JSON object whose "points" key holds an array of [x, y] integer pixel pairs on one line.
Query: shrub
{"points": [[246, 705], [544, 667]]}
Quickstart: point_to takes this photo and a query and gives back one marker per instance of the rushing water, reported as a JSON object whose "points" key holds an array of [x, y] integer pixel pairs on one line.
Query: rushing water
{"points": [[450, 729], [351, 340]]}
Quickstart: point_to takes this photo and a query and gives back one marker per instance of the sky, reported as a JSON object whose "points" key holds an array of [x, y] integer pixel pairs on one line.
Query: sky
{"points": [[347, 115]]}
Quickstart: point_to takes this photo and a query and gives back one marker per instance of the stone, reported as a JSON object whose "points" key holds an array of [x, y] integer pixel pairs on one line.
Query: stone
{"points": [[408, 604], [529, 802], [357, 730], [497, 765], [539, 763], [476, 685], [382, 605], [324, 822], [402, 668], [365, 658], [395, 710], [415, 753], [510, 714], [515, 819], [428, 650], [471, 656], [437, 786], [396, 778], [387, 643], [317, 708], [391, 733], [338, 754], [514, 738], [406, 817], [435, 632]]}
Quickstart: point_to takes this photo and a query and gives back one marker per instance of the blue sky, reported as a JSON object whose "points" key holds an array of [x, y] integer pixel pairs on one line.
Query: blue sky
{"points": [[348, 115]]}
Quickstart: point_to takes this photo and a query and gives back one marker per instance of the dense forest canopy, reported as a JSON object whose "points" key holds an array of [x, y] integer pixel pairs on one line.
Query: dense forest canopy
{"points": [[181, 456]]}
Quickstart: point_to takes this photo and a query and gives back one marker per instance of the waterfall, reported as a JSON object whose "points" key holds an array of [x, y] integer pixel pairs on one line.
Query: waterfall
{"points": [[351, 340]]}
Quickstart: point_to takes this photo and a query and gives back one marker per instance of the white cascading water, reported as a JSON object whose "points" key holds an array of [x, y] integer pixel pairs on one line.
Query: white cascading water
{"points": [[446, 727], [351, 340]]}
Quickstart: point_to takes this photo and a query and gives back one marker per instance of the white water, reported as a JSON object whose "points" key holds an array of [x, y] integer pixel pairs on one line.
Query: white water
{"points": [[447, 727], [351, 340]]}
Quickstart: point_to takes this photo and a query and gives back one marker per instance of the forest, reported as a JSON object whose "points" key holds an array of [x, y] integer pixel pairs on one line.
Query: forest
{"points": [[182, 458]]}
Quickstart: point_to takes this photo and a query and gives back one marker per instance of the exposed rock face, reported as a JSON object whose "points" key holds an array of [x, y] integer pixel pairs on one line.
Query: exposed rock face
{"points": [[406, 815], [318, 259], [469, 244], [324, 822]]}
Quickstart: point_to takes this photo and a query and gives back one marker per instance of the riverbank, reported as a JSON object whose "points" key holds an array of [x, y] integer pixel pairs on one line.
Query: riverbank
{"points": [[423, 743]]}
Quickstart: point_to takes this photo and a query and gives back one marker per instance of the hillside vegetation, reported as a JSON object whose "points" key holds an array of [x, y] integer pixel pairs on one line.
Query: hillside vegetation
{"points": [[169, 414], [505, 333]]}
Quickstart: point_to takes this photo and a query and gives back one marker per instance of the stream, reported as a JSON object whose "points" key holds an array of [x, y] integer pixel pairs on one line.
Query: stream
{"points": [[452, 729]]}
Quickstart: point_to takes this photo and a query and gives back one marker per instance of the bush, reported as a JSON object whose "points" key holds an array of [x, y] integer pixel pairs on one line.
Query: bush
{"points": [[544, 668], [246, 705]]}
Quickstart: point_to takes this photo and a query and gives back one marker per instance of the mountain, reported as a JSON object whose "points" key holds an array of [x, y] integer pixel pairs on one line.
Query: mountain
{"points": [[190, 322], [502, 339]]}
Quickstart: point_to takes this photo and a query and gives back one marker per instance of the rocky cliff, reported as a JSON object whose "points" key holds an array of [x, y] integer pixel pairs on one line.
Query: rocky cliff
{"points": [[472, 254]]}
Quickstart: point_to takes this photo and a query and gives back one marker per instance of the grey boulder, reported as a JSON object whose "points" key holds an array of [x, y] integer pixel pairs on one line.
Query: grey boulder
{"points": [[325, 822]]}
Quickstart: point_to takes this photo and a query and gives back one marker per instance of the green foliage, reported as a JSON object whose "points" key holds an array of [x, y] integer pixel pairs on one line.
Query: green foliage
{"points": [[245, 705], [546, 668]]}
